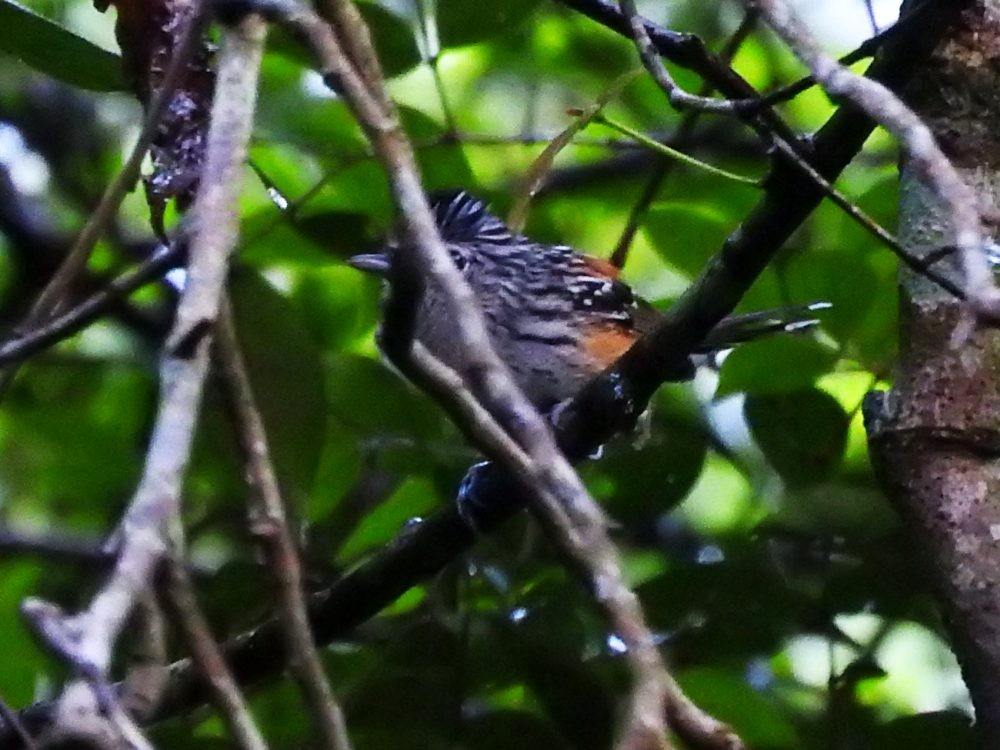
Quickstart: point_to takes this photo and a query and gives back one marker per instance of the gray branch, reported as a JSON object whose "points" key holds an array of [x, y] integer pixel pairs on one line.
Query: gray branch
{"points": [[87, 639]]}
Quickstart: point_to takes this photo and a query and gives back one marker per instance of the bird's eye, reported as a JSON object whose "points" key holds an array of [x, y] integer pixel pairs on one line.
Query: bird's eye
{"points": [[459, 261]]}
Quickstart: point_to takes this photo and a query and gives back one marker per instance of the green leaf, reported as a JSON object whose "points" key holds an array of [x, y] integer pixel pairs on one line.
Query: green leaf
{"points": [[462, 22], [775, 364], [51, 49], [393, 37], [727, 696], [653, 476], [802, 434], [413, 499], [287, 376], [691, 223]]}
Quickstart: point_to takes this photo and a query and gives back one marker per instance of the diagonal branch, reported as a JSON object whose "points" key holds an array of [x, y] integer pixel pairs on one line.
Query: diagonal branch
{"points": [[87, 640], [423, 551], [269, 522], [206, 654], [888, 110], [561, 502]]}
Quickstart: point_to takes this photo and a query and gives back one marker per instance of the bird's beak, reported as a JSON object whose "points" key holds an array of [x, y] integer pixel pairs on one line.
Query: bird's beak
{"points": [[376, 263]]}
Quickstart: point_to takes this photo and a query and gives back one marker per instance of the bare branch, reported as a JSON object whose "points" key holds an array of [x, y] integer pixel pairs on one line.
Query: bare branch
{"points": [[87, 640], [269, 523], [208, 659], [53, 295], [677, 96], [86, 312], [573, 519], [914, 136]]}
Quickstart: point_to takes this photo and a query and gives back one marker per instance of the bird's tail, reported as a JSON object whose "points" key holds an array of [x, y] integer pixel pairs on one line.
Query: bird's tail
{"points": [[737, 329]]}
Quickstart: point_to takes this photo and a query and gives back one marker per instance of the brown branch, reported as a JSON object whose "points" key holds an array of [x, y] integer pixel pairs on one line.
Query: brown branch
{"points": [[680, 140], [915, 137], [54, 293], [677, 96], [207, 657], [269, 523], [572, 518], [934, 438], [87, 640]]}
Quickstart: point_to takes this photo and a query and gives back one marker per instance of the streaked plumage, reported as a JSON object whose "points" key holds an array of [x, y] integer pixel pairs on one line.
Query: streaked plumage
{"points": [[555, 316]]}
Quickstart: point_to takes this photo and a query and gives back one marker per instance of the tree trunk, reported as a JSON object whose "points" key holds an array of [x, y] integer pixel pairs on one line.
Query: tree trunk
{"points": [[935, 438]]}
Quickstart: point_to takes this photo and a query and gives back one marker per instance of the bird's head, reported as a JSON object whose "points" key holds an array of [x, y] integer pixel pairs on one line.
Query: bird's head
{"points": [[463, 221]]}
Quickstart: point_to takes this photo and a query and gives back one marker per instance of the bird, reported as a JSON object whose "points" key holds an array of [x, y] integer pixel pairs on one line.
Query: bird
{"points": [[556, 316]]}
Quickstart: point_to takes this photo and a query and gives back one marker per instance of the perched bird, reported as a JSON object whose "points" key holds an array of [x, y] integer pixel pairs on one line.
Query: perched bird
{"points": [[557, 317]]}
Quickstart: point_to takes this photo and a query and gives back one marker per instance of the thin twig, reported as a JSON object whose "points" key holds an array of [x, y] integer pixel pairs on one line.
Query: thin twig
{"points": [[918, 265], [914, 136], [432, 57], [574, 521], [677, 96], [207, 657], [54, 293], [671, 153], [78, 317], [534, 176], [87, 640], [680, 140], [269, 523]]}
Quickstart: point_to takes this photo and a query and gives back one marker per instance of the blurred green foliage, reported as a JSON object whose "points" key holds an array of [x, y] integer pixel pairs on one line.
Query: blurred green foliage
{"points": [[748, 515]]}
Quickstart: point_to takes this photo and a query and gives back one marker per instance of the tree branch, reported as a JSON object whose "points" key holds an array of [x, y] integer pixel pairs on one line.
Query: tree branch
{"points": [[934, 438], [914, 136], [87, 640], [207, 656], [269, 523], [422, 551]]}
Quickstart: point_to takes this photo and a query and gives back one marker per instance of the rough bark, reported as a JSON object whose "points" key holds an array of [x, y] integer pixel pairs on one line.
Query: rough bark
{"points": [[935, 438]]}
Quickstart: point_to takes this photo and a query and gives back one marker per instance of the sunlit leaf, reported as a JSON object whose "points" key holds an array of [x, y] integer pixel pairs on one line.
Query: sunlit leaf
{"points": [[775, 364], [51, 49]]}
